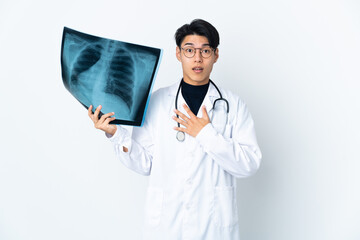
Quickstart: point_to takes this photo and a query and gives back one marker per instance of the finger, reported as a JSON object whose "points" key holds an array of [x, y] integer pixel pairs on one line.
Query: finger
{"points": [[102, 121], [97, 111], [89, 111], [187, 109], [205, 114], [108, 120], [105, 116], [180, 129], [183, 116], [180, 121]]}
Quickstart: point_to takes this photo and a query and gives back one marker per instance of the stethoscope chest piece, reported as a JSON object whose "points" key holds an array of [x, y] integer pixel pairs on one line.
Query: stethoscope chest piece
{"points": [[180, 136]]}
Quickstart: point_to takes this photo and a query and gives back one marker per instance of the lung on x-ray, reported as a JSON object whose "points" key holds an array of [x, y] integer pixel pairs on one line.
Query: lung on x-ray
{"points": [[117, 75]]}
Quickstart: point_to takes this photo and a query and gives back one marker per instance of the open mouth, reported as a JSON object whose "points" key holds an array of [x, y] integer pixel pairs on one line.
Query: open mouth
{"points": [[198, 69]]}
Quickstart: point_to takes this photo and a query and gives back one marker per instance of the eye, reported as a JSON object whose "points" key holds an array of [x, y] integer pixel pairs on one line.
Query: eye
{"points": [[206, 50], [189, 50]]}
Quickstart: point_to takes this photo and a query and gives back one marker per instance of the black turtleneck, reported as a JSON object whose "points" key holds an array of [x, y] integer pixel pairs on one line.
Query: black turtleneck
{"points": [[194, 95]]}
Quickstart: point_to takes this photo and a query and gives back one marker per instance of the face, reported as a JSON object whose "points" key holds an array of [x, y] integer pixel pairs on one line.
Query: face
{"points": [[196, 70]]}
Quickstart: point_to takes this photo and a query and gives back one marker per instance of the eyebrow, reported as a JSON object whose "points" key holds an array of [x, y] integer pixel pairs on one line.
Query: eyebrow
{"points": [[191, 44]]}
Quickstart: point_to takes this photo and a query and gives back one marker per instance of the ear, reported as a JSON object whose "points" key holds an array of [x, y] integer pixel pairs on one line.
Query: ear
{"points": [[178, 54], [216, 53]]}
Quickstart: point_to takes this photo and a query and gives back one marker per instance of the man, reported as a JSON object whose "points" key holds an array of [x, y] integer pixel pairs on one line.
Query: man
{"points": [[193, 155]]}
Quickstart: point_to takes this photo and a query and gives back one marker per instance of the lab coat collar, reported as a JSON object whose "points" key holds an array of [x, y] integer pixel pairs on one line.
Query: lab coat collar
{"points": [[209, 98]]}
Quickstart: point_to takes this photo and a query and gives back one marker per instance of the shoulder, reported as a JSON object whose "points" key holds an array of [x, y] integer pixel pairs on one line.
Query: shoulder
{"points": [[160, 93], [161, 97]]}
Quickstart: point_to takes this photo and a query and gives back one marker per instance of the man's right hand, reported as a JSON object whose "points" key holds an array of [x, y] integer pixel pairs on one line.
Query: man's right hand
{"points": [[103, 122]]}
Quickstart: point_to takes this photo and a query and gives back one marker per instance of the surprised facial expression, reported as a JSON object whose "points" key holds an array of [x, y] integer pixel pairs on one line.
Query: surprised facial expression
{"points": [[196, 69]]}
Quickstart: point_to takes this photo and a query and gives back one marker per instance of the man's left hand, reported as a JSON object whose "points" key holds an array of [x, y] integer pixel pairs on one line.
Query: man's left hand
{"points": [[192, 125]]}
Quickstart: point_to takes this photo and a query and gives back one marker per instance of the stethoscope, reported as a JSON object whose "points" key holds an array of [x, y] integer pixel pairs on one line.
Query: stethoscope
{"points": [[180, 136]]}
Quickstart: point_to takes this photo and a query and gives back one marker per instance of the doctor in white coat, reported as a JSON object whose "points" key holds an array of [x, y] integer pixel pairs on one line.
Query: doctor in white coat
{"points": [[192, 184]]}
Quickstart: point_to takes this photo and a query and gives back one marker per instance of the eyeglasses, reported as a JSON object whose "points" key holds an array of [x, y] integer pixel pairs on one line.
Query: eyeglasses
{"points": [[190, 51]]}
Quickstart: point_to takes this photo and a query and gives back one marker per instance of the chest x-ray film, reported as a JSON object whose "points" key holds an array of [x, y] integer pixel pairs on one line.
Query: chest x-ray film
{"points": [[117, 75]]}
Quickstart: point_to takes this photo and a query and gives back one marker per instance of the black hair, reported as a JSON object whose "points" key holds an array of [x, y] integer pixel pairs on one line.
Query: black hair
{"points": [[198, 27]]}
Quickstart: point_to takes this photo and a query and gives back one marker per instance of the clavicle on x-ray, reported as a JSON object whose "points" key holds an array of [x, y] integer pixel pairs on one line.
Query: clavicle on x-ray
{"points": [[117, 75]]}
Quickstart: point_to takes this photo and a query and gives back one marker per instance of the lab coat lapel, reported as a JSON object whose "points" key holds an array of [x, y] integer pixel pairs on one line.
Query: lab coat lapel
{"points": [[181, 102], [208, 101]]}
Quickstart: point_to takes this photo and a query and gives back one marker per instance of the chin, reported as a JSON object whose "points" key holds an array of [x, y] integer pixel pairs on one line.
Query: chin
{"points": [[200, 79]]}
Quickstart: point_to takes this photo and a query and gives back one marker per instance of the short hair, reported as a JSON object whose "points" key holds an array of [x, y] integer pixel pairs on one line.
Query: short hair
{"points": [[198, 27]]}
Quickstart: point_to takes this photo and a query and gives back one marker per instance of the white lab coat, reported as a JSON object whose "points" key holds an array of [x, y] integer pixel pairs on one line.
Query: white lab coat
{"points": [[192, 185]]}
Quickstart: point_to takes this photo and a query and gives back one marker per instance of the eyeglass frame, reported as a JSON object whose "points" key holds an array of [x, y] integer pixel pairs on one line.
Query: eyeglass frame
{"points": [[201, 51]]}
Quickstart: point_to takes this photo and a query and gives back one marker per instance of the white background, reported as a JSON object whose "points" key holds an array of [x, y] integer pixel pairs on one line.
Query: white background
{"points": [[295, 63]]}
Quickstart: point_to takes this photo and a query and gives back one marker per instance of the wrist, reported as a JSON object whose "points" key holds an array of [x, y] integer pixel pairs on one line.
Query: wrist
{"points": [[112, 131]]}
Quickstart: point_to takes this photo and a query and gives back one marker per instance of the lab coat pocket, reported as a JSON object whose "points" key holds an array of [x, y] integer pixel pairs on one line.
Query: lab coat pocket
{"points": [[154, 204], [225, 208]]}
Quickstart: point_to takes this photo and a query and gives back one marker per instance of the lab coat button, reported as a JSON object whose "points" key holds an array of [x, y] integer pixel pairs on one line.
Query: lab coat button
{"points": [[188, 206]]}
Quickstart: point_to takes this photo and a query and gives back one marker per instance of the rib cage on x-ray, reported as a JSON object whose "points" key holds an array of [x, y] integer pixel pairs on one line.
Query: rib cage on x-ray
{"points": [[121, 80], [115, 74], [87, 58], [119, 72]]}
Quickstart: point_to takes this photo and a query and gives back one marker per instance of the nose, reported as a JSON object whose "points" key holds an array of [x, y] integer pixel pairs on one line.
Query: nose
{"points": [[198, 57]]}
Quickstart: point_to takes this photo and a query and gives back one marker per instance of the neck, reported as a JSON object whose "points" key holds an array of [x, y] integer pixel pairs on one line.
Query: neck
{"points": [[196, 83]]}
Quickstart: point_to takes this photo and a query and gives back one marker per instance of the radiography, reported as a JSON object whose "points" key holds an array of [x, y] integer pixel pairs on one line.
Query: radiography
{"points": [[117, 75]]}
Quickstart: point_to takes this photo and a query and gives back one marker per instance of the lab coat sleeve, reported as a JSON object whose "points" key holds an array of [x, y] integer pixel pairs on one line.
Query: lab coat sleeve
{"points": [[139, 145], [238, 154]]}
